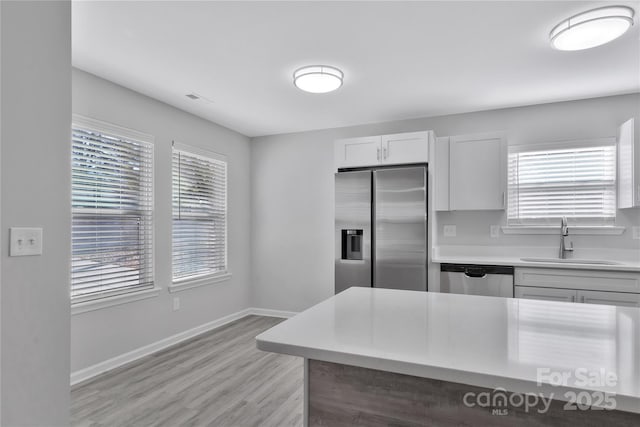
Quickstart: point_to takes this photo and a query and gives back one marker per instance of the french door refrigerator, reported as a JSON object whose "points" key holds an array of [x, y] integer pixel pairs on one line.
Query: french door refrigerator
{"points": [[381, 228]]}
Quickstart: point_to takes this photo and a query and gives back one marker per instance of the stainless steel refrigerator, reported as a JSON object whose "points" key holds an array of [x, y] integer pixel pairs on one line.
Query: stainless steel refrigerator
{"points": [[381, 228]]}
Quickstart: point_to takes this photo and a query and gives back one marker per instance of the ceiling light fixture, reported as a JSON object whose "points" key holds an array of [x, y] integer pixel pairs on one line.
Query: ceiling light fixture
{"points": [[592, 28], [318, 78]]}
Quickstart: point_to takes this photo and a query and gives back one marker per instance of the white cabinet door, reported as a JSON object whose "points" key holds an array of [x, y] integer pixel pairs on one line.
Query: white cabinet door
{"points": [[440, 169], [478, 178], [356, 152], [628, 166], [411, 147], [571, 295], [609, 298], [547, 294], [594, 280]]}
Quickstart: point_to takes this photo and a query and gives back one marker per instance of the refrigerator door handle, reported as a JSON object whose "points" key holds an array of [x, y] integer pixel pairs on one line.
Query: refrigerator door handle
{"points": [[378, 154]]}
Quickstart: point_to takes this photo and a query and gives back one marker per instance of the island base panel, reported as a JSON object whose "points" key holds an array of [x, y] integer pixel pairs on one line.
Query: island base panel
{"points": [[342, 395]]}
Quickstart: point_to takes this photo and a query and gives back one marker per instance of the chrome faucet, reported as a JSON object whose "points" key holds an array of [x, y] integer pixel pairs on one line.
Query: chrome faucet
{"points": [[564, 232]]}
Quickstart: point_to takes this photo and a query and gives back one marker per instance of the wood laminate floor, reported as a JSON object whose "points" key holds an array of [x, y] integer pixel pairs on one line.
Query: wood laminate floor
{"points": [[216, 379]]}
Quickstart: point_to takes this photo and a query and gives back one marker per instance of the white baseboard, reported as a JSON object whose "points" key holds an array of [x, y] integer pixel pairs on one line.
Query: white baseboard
{"points": [[115, 362], [272, 313]]}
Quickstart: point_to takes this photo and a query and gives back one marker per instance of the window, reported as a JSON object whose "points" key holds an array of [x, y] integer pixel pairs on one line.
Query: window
{"points": [[199, 214], [576, 180], [112, 202]]}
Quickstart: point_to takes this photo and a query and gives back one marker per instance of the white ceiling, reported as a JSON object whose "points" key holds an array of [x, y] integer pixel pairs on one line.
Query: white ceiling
{"points": [[401, 59]]}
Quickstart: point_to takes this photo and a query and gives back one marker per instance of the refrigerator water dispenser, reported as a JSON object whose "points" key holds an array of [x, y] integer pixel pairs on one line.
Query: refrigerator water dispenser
{"points": [[352, 244]]}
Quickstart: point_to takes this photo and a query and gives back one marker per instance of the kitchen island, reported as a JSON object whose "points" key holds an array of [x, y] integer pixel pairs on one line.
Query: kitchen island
{"points": [[391, 357]]}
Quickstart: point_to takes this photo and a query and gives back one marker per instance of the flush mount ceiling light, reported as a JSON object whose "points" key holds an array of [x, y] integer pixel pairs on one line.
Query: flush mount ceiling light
{"points": [[318, 78], [592, 28]]}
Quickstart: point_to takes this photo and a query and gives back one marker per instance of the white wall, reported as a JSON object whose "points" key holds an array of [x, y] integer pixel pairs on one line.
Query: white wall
{"points": [[100, 335], [292, 192], [36, 114]]}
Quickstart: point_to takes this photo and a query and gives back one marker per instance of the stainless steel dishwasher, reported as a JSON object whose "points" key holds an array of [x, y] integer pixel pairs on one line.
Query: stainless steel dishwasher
{"points": [[489, 280]]}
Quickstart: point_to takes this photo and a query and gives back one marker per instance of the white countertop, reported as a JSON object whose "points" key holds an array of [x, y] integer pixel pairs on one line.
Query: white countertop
{"points": [[518, 262], [482, 341]]}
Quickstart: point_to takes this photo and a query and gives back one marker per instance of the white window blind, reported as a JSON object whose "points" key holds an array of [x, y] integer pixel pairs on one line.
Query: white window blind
{"points": [[112, 202], [199, 214], [576, 181]]}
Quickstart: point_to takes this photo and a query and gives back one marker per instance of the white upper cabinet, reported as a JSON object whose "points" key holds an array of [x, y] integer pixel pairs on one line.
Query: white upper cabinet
{"points": [[440, 169], [405, 148], [628, 166], [356, 152], [401, 148], [478, 172]]}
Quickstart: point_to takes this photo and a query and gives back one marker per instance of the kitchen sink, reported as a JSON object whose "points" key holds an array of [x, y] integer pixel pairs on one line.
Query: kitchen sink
{"points": [[571, 261]]}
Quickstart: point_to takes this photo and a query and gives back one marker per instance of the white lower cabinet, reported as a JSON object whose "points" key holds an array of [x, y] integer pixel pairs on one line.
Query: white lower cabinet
{"points": [[619, 288], [547, 294], [588, 280], [621, 299], [609, 298]]}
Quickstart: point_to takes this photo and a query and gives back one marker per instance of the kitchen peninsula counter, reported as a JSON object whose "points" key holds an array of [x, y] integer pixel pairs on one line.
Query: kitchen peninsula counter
{"points": [[447, 345]]}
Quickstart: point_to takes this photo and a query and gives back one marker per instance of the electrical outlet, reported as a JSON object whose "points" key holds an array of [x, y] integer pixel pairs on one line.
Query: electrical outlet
{"points": [[25, 241], [449, 231], [176, 303], [636, 232], [494, 231]]}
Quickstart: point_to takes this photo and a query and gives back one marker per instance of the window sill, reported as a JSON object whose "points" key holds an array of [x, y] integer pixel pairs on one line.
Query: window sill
{"points": [[98, 304], [573, 230], [200, 281]]}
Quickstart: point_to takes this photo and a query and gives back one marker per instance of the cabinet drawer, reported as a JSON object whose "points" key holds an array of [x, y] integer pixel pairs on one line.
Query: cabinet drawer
{"points": [[547, 294], [611, 281], [609, 298]]}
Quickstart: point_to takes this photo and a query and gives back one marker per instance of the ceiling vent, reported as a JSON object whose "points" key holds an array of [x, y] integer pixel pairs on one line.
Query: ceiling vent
{"points": [[192, 96]]}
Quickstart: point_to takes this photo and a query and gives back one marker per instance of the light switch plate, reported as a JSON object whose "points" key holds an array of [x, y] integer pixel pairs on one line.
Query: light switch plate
{"points": [[636, 232], [25, 241], [449, 231], [494, 231], [176, 303]]}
